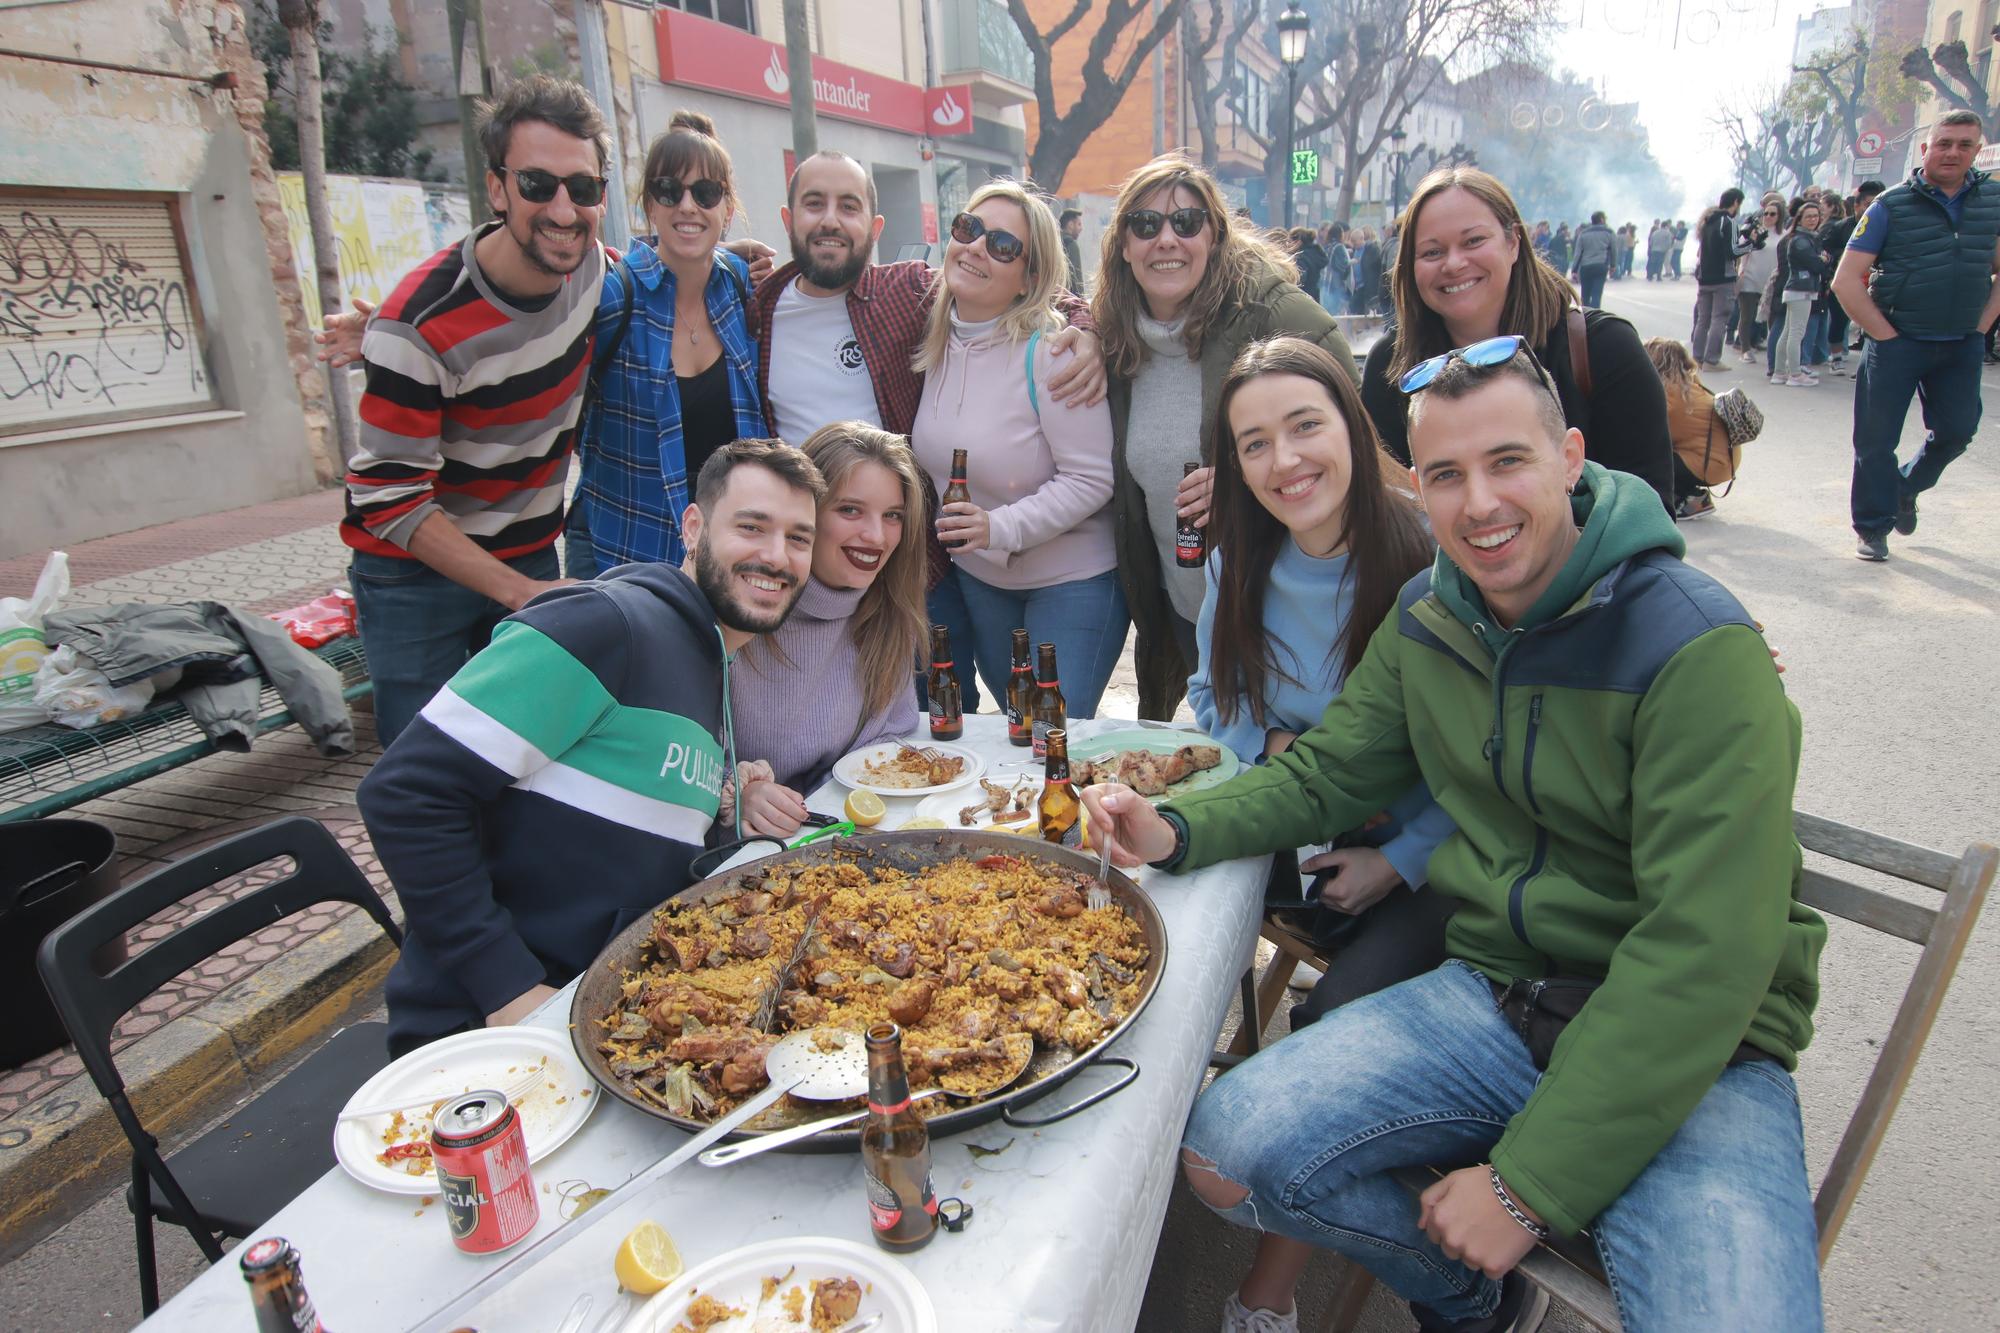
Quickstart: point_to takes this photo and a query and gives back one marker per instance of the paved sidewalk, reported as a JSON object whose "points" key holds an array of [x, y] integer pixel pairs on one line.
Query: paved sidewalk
{"points": [[262, 558]]}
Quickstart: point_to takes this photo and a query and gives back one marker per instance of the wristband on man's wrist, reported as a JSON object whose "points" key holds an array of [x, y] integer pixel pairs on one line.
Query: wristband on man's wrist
{"points": [[1529, 1224], [1174, 857]]}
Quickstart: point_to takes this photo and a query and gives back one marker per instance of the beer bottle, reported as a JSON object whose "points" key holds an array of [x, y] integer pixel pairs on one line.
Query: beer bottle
{"points": [[957, 492], [278, 1289], [1058, 807], [1190, 542], [895, 1150], [947, 704], [1020, 693], [1045, 705]]}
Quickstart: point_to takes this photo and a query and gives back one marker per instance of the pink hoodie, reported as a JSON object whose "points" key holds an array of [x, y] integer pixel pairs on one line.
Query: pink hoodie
{"points": [[1043, 477]]}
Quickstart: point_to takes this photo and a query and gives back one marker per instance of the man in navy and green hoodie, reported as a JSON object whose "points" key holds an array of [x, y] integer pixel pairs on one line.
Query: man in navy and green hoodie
{"points": [[1604, 725], [559, 786]]}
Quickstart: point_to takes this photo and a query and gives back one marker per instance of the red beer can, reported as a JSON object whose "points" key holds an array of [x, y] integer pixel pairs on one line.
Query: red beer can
{"points": [[482, 1169]]}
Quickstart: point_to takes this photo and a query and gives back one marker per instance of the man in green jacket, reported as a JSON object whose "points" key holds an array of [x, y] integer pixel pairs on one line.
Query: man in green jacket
{"points": [[1631, 977]]}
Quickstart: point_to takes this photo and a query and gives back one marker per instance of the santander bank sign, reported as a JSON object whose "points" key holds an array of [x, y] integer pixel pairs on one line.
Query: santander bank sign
{"points": [[707, 54]]}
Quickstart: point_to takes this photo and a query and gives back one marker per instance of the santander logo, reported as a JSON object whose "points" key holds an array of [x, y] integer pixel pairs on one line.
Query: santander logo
{"points": [[775, 78], [948, 112]]}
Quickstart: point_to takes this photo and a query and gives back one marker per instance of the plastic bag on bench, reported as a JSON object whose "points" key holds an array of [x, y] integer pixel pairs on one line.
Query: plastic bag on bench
{"points": [[22, 648], [77, 694]]}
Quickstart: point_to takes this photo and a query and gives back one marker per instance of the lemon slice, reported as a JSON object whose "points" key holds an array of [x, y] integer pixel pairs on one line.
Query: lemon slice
{"points": [[647, 1260], [865, 808], [922, 822]]}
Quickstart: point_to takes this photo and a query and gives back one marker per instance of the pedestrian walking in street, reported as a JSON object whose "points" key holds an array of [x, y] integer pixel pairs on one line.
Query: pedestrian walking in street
{"points": [[1918, 278], [1338, 277], [1629, 250], [1801, 266], [1183, 289], [455, 497], [1595, 245], [1559, 247], [1715, 276], [1658, 241], [1541, 237], [1680, 242], [1754, 270], [1368, 274], [1465, 273], [1071, 223], [1838, 235], [1306, 253]]}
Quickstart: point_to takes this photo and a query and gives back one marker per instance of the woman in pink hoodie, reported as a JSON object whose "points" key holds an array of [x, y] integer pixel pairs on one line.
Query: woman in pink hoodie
{"points": [[1033, 548]]}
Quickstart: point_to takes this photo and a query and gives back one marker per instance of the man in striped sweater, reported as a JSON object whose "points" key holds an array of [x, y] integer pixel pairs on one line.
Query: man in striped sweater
{"points": [[560, 784], [474, 367]]}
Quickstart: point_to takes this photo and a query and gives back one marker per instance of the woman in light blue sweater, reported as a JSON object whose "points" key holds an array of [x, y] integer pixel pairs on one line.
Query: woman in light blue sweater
{"points": [[1312, 547]]}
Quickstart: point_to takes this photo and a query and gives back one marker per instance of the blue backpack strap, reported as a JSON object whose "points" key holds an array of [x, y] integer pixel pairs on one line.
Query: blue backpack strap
{"points": [[1034, 399]]}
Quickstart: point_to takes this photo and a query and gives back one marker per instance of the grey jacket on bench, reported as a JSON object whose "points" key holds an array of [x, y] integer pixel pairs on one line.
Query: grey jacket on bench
{"points": [[225, 656]]}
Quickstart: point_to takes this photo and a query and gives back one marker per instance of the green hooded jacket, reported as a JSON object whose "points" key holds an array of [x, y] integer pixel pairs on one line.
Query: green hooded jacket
{"points": [[1620, 766]]}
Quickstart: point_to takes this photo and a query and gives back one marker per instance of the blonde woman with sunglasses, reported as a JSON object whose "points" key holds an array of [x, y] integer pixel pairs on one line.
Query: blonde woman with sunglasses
{"points": [[1184, 287], [1032, 548]]}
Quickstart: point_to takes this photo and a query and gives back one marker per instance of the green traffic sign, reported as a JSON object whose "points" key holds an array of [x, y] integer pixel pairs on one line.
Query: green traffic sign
{"points": [[1305, 166]]}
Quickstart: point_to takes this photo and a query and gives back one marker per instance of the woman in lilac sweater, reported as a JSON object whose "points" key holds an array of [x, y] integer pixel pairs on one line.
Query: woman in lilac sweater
{"points": [[1033, 548], [836, 674]]}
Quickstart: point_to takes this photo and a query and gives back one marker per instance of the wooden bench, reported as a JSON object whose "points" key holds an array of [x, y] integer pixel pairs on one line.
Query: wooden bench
{"points": [[49, 768], [1568, 1269]]}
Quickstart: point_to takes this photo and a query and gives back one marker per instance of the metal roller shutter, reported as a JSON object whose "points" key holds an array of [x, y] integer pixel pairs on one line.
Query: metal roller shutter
{"points": [[97, 318]]}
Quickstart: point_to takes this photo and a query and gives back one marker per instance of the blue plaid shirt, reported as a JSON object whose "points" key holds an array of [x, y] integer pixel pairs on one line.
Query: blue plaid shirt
{"points": [[634, 481]]}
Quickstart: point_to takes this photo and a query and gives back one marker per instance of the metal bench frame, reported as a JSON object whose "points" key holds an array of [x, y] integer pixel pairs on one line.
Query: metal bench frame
{"points": [[50, 768], [1568, 1269]]}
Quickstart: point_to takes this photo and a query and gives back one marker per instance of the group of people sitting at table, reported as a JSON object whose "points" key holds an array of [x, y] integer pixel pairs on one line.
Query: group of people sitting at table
{"points": [[1444, 609]]}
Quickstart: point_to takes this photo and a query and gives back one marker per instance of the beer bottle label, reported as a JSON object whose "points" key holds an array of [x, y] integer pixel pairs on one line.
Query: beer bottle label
{"points": [[1187, 545], [1040, 734], [885, 1209]]}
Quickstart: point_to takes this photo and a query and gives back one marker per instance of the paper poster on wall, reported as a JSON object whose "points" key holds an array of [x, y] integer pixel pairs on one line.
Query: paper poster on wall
{"points": [[382, 230]]}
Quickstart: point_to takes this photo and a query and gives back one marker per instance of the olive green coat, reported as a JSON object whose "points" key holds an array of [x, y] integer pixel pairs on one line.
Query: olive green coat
{"points": [[1276, 307]]}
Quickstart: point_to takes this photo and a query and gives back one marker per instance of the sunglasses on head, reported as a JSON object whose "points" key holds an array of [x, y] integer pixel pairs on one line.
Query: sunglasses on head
{"points": [[667, 192], [1004, 246], [1145, 223], [1486, 352], [538, 187]]}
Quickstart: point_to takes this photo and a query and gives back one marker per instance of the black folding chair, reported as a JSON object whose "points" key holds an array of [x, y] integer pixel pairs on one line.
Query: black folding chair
{"points": [[232, 1179]]}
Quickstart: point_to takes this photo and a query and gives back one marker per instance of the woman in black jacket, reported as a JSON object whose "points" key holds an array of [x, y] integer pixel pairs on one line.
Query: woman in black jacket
{"points": [[1802, 265], [1465, 270]]}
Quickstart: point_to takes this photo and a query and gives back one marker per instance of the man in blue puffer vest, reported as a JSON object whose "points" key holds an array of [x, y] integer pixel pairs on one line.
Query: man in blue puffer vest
{"points": [[1918, 278]]}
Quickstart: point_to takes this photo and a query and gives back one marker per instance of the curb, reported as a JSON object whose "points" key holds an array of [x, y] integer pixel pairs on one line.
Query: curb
{"points": [[58, 1154]]}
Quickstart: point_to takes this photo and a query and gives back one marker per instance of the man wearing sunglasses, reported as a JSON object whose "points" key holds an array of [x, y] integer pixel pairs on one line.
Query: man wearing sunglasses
{"points": [[1631, 976], [474, 366]]}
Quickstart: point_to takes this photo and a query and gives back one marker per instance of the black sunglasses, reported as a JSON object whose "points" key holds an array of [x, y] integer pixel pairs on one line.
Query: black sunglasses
{"points": [[1145, 222], [538, 187], [667, 191], [1004, 246], [1484, 353]]}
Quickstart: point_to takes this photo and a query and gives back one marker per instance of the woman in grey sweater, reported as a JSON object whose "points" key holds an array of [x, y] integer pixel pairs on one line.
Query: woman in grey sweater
{"points": [[1184, 286], [836, 674]]}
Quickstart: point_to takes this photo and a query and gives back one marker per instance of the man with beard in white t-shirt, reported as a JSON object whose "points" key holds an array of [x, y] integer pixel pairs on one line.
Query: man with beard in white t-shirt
{"points": [[836, 330]]}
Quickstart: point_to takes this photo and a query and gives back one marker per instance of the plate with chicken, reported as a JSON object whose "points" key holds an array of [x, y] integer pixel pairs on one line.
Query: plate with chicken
{"points": [[1154, 763], [901, 769]]}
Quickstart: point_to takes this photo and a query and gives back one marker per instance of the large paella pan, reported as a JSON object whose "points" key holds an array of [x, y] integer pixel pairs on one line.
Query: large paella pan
{"points": [[982, 926]]}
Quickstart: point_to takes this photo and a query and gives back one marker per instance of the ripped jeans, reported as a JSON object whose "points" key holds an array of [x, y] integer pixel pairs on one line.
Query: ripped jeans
{"points": [[1716, 1233]]}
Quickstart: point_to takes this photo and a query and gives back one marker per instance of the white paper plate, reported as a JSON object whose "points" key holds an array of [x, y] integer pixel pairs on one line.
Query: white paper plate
{"points": [[848, 768], [945, 805], [1162, 742], [737, 1278], [467, 1062]]}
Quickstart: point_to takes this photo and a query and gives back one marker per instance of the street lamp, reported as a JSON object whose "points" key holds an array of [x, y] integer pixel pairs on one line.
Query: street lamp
{"points": [[1397, 162], [1292, 26]]}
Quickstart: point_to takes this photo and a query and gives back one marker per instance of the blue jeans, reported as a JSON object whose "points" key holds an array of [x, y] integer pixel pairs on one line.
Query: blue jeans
{"points": [[1590, 286], [946, 606], [1085, 619], [1816, 351], [1944, 377], [1716, 1233], [419, 628]]}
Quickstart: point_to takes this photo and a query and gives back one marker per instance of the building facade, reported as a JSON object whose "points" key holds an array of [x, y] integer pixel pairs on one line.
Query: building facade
{"points": [[154, 361]]}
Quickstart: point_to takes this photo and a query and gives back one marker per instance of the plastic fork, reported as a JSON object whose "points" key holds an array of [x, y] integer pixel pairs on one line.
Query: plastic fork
{"points": [[514, 1091]]}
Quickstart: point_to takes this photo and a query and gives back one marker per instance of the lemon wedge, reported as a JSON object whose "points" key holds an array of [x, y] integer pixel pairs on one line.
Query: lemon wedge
{"points": [[922, 822], [647, 1260], [865, 808]]}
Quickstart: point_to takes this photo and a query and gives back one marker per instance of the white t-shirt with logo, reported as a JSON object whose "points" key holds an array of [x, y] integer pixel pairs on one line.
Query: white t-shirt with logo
{"points": [[817, 374]]}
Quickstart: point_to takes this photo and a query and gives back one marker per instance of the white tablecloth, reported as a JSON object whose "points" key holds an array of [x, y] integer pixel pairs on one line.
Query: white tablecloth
{"points": [[1067, 1217]]}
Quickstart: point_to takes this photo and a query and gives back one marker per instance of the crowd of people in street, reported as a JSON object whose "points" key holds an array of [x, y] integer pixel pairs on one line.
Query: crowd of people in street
{"points": [[1443, 610]]}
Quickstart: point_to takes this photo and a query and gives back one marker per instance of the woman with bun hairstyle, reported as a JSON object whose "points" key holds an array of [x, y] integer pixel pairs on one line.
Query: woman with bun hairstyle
{"points": [[1183, 288], [681, 380], [1466, 271]]}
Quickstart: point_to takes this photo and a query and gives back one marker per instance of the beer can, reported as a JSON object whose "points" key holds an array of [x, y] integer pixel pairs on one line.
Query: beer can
{"points": [[482, 1169]]}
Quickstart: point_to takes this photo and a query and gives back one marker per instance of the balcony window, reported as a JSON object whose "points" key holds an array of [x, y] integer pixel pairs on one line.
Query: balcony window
{"points": [[735, 13]]}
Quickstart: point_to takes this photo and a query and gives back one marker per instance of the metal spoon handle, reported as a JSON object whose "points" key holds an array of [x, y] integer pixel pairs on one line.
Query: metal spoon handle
{"points": [[736, 1152]]}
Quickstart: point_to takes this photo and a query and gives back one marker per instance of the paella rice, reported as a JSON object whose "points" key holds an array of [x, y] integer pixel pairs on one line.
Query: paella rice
{"points": [[980, 961]]}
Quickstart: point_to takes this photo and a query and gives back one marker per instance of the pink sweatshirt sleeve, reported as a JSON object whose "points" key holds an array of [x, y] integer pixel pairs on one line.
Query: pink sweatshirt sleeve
{"points": [[1079, 438]]}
